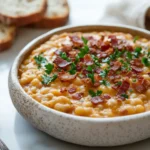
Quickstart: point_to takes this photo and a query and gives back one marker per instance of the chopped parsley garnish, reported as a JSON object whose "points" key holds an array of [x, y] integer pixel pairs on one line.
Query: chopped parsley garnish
{"points": [[64, 56], [113, 56], [85, 41], [72, 69], [104, 82], [104, 73], [93, 94], [146, 61], [91, 76], [135, 38], [126, 65], [83, 51], [46, 79], [148, 54], [116, 54], [118, 83], [89, 68], [129, 55], [40, 60], [106, 60], [49, 67], [96, 61], [133, 80], [124, 95], [137, 52]]}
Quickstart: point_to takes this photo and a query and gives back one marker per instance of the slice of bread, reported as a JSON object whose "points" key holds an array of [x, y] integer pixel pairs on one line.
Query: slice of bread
{"points": [[21, 12], [7, 34], [57, 14]]}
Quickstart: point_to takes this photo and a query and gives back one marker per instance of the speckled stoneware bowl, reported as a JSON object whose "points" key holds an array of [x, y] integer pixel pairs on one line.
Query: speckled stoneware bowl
{"points": [[76, 129]]}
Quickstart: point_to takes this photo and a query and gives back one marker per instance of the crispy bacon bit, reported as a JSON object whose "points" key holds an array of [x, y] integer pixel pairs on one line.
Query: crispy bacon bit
{"points": [[105, 96], [97, 79], [137, 62], [84, 72], [96, 100], [58, 51], [79, 66], [67, 47], [129, 48], [124, 87], [97, 70], [149, 73], [77, 42], [105, 46], [63, 89], [141, 86], [77, 96], [65, 76], [61, 62], [72, 54], [115, 65], [112, 76], [95, 43], [105, 54], [113, 39], [88, 60], [137, 65], [120, 98], [86, 80], [137, 69], [102, 55], [92, 50], [72, 90]]}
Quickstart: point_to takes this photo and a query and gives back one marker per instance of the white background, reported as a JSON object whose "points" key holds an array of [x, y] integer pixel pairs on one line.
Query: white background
{"points": [[17, 133]]}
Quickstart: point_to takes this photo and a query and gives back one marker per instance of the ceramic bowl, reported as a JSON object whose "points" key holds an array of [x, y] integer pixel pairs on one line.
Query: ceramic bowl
{"points": [[75, 129]]}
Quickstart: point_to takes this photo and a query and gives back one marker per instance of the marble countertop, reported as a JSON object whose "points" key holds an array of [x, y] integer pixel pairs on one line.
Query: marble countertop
{"points": [[16, 132]]}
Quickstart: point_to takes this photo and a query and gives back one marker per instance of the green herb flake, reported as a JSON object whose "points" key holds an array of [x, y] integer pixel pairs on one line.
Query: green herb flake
{"points": [[146, 61], [137, 51], [40, 60], [96, 61], [104, 73], [93, 94], [118, 83], [130, 90], [126, 65], [85, 41], [91, 76], [124, 95], [64, 56], [148, 54], [106, 60], [72, 69], [89, 68], [135, 38], [47, 79], [49, 67], [129, 55], [104, 82], [83, 51], [133, 80]]}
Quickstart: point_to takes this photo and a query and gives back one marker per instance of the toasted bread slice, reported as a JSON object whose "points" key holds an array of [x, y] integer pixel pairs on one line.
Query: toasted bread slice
{"points": [[7, 34], [21, 12], [57, 14]]}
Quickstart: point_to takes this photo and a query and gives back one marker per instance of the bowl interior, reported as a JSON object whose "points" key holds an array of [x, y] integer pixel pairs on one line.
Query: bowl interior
{"points": [[85, 28]]}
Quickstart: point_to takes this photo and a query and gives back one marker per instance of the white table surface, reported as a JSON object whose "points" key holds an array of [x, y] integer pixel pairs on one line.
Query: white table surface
{"points": [[16, 132]]}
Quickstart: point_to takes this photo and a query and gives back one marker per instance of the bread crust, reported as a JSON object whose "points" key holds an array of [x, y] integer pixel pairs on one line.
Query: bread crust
{"points": [[53, 22], [24, 20], [7, 42]]}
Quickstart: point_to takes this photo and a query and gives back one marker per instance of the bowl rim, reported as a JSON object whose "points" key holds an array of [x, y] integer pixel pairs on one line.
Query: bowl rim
{"points": [[41, 39]]}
